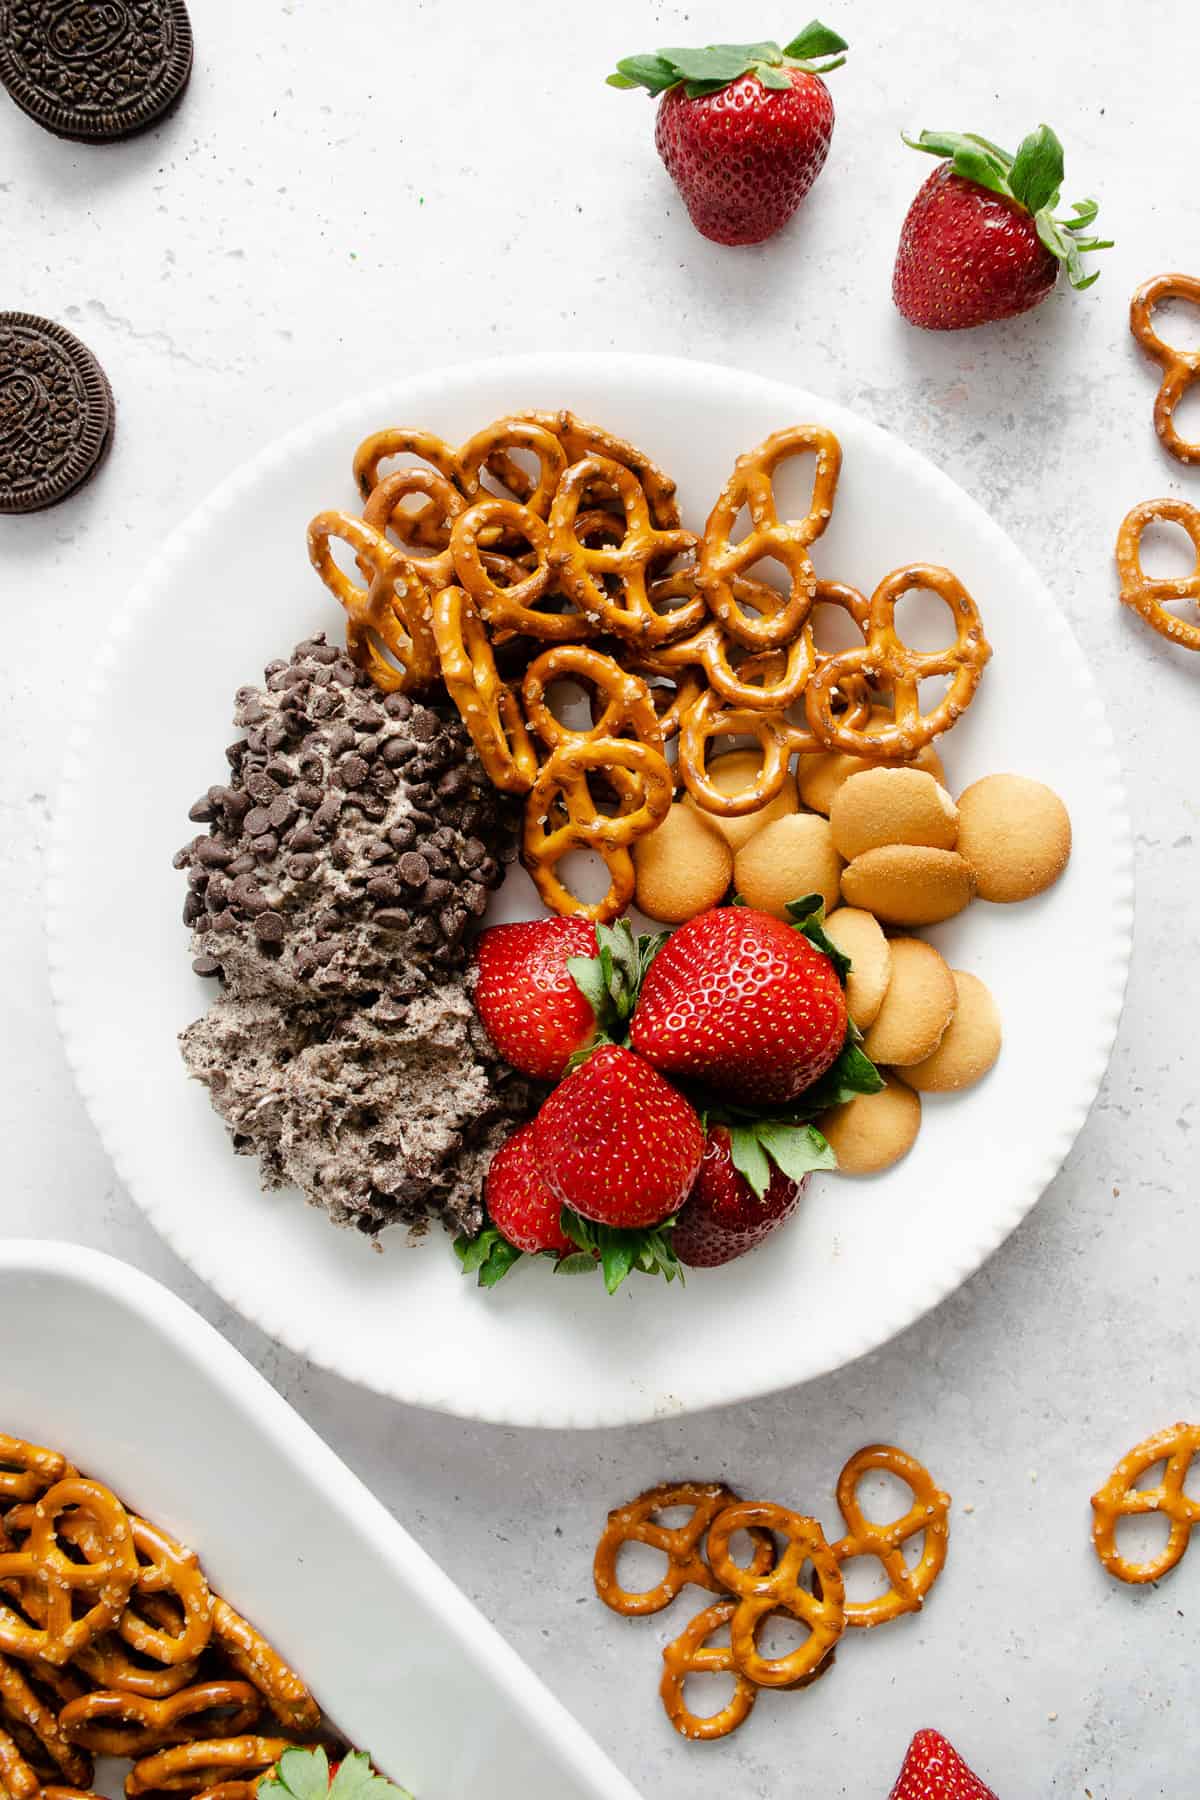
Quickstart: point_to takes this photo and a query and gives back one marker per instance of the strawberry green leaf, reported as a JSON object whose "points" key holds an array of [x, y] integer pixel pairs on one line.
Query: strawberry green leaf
{"points": [[772, 77], [714, 62], [580, 1262], [588, 976], [970, 157], [303, 1774], [489, 1256], [621, 963], [1004, 157], [808, 916], [798, 1149], [357, 1780], [644, 71], [853, 1073], [1037, 172], [620, 1253], [749, 1158], [649, 945], [815, 40], [609, 982]]}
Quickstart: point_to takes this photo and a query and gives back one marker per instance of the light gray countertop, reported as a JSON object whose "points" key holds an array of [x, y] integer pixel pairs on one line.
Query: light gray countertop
{"points": [[350, 191]]}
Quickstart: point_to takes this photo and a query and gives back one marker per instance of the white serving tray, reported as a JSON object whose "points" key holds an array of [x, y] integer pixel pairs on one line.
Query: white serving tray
{"points": [[103, 1363]]}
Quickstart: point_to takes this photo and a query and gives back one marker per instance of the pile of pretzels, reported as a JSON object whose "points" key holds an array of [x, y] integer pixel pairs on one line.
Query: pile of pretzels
{"points": [[545, 549], [792, 1572], [112, 1643]]}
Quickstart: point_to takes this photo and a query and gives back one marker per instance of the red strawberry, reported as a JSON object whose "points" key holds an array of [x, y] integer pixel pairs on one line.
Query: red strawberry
{"points": [[743, 129], [980, 241], [723, 1217], [519, 1203], [616, 1142], [525, 994], [743, 1002], [933, 1770]]}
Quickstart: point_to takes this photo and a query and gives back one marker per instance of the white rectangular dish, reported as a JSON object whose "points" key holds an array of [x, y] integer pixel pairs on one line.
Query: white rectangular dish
{"points": [[103, 1363]]}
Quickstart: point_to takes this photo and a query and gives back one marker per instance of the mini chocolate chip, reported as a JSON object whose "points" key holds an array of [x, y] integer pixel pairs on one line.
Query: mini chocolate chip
{"points": [[236, 803], [309, 795], [369, 747], [392, 918], [382, 779], [401, 836], [193, 909], [325, 954], [261, 788], [281, 812], [322, 706], [304, 838], [352, 771], [205, 965], [216, 894], [265, 847], [436, 892], [300, 867], [311, 768], [235, 753], [344, 673], [281, 772], [198, 879], [304, 962], [398, 706], [443, 838], [342, 852], [453, 922], [255, 742], [269, 927], [319, 678], [328, 813], [425, 932], [397, 750], [202, 811], [276, 667], [341, 738], [212, 854], [420, 793], [257, 820], [245, 864], [383, 887], [472, 852], [452, 782], [412, 869], [424, 724], [378, 851], [489, 871], [474, 898]]}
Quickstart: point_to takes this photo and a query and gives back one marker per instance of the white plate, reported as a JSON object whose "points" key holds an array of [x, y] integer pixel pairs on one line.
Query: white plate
{"points": [[232, 590], [146, 1397]]}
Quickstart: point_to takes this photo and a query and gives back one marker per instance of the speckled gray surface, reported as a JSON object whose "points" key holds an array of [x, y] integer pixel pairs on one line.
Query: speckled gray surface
{"points": [[315, 219]]}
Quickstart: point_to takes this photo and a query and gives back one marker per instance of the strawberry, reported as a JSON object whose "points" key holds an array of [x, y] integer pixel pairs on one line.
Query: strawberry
{"points": [[730, 1211], [933, 1770], [980, 241], [745, 1003], [529, 1002], [519, 1203], [616, 1143], [743, 129]]}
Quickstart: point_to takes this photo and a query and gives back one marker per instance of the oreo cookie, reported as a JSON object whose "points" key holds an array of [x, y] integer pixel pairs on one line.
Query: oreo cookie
{"points": [[56, 413], [95, 70]]}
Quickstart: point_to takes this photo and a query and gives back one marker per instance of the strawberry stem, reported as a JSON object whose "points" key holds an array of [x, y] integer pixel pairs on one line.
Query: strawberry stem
{"points": [[1032, 180]]}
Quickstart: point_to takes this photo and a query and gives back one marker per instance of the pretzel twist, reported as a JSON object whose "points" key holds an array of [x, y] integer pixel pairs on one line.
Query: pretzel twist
{"points": [[580, 440], [582, 568], [27, 1470], [561, 816], [21, 1703], [710, 718], [402, 440], [692, 1654], [492, 448], [107, 1575], [489, 708], [886, 660], [1180, 367], [751, 485], [627, 702], [759, 1595], [928, 1514], [257, 1662], [385, 511], [683, 1545], [1121, 1498], [1147, 594], [389, 615], [513, 608], [116, 1724], [187, 1768]]}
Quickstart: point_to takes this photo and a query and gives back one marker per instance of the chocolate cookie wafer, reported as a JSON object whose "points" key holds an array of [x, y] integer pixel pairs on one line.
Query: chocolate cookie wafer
{"points": [[56, 413], [95, 70]]}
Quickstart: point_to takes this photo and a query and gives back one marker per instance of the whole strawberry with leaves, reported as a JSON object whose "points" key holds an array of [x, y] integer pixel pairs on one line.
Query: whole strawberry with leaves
{"points": [[752, 1178], [981, 241], [743, 129], [933, 1770]]}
